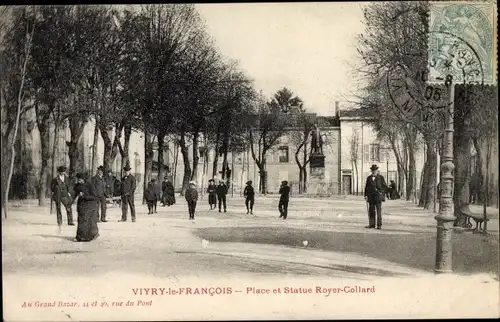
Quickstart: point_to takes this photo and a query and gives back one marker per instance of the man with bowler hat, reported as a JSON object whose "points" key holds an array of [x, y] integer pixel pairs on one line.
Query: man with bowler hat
{"points": [[60, 187], [127, 193], [375, 194], [101, 194]]}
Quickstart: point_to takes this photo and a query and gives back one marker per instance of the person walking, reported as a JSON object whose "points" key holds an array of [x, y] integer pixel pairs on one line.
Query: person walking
{"points": [[221, 191], [191, 196], [212, 194], [128, 186], [374, 194], [249, 194], [284, 198], [87, 208], [150, 196], [100, 187], [61, 194], [168, 192], [158, 193]]}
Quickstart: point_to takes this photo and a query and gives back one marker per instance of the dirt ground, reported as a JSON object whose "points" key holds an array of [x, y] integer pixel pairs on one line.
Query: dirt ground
{"points": [[323, 242]]}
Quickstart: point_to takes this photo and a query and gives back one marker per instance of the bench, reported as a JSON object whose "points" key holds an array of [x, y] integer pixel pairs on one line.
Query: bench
{"points": [[477, 218], [115, 201]]}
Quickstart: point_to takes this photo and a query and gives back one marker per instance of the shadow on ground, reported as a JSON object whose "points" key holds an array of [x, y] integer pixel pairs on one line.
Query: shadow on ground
{"points": [[471, 253], [57, 237]]}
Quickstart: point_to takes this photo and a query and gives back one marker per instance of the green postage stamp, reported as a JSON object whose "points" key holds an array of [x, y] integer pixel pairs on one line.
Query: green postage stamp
{"points": [[462, 42]]}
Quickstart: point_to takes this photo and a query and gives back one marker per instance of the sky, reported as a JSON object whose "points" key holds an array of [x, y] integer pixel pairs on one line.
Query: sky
{"points": [[308, 47]]}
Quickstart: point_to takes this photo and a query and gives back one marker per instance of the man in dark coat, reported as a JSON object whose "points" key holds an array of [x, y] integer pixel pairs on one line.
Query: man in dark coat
{"points": [[221, 191], [100, 189], [375, 194], [284, 198], [127, 193], [249, 194], [191, 196], [61, 194]]}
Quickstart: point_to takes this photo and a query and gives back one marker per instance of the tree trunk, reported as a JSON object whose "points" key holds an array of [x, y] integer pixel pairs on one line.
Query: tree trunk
{"points": [[76, 129], [95, 142], [461, 160], [196, 156], [125, 153], [185, 158], [161, 162], [263, 175], [43, 127], [429, 183], [176, 161], [53, 156], [216, 156], [108, 146], [148, 159], [423, 185], [410, 182], [479, 168]]}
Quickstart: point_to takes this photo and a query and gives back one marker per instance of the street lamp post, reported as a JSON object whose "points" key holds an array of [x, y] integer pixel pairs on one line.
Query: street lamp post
{"points": [[446, 216]]}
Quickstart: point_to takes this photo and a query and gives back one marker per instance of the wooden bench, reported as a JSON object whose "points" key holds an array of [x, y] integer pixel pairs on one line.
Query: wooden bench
{"points": [[477, 218], [114, 200]]}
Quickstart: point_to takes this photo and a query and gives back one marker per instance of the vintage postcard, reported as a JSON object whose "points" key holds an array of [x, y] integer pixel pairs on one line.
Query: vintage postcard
{"points": [[250, 161]]}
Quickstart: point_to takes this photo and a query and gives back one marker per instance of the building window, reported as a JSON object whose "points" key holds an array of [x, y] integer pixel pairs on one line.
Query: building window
{"points": [[283, 154], [392, 175], [374, 153]]}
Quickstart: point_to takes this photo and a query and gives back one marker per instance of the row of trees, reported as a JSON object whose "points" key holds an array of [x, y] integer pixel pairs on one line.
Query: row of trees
{"points": [[394, 56], [148, 68]]}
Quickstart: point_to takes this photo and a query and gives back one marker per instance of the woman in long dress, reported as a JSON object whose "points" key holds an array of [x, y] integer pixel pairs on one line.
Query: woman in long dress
{"points": [[87, 209], [169, 193]]}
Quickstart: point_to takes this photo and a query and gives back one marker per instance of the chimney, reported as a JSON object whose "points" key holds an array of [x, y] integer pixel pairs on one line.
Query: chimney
{"points": [[337, 108]]}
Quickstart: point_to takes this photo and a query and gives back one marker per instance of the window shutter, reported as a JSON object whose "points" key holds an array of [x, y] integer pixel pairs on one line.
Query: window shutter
{"points": [[382, 153], [366, 153]]}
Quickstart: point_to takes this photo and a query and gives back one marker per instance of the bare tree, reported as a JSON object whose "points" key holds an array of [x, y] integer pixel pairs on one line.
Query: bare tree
{"points": [[29, 26]]}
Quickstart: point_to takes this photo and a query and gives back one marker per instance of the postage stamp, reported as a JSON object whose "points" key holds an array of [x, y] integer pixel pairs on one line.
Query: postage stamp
{"points": [[462, 42]]}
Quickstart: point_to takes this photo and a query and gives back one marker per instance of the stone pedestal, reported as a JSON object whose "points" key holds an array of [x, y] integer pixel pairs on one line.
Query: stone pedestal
{"points": [[316, 184]]}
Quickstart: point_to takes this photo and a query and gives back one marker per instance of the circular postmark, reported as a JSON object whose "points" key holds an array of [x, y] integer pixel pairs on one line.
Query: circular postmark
{"points": [[451, 61]]}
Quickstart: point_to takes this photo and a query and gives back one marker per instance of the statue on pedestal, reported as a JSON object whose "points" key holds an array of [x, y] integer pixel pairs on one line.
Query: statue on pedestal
{"points": [[316, 141]]}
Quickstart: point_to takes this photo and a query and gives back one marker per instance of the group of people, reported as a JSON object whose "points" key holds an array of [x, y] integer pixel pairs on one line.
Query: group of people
{"points": [[217, 195], [91, 195]]}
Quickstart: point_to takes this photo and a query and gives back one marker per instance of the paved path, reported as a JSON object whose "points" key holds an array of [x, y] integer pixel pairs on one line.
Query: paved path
{"points": [[168, 249]]}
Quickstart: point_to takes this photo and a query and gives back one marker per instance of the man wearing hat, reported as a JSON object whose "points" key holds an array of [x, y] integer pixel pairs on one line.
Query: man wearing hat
{"points": [[127, 193], [60, 187], [284, 198], [100, 189], [375, 194], [191, 196], [212, 194], [249, 194], [221, 191]]}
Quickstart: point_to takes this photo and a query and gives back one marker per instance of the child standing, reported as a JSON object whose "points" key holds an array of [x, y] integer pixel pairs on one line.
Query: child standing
{"points": [[150, 196], [191, 196], [212, 195], [249, 194]]}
